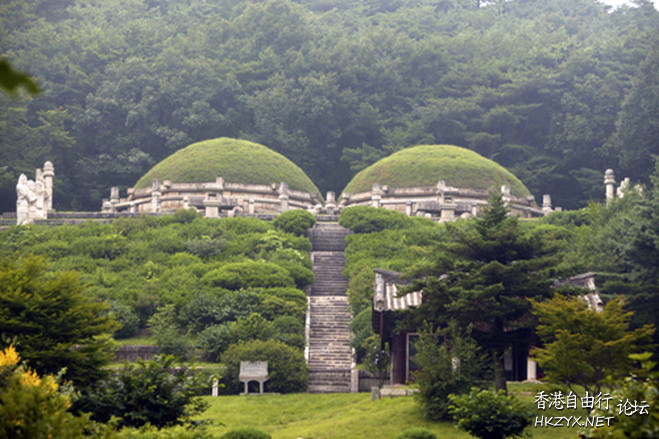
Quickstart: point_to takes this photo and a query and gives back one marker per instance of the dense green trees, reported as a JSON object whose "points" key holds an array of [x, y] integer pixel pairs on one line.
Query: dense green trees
{"points": [[199, 285], [51, 320], [483, 277], [583, 347], [539, 86]]}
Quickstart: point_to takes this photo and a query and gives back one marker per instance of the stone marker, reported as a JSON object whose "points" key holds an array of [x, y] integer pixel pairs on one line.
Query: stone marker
{"points": [[253, 371]]}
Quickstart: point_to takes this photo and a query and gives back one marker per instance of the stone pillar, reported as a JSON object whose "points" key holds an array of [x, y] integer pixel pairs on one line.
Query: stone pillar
{"points": [[48, 174], [212, 205], [546, 204], [408, 208], [106, 206], [441, 186], [283, 197], [531, 370], [609, 183], [379, 293], [186, 202], [448, 212], [114, 198], [505, 191], [345, 198], [330, 203], [155, 196], [250, 206], [376, 195]]}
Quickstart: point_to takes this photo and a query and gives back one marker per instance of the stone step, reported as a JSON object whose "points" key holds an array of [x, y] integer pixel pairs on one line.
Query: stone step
{"points": [[329, 381], [330, 355]]}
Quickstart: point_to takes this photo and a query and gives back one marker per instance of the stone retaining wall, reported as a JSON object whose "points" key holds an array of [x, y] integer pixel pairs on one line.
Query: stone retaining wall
{"points": [[131, 353]]}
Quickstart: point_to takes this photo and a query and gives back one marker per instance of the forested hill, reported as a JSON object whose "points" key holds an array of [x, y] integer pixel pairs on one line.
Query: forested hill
{"points": [[555, 90]]}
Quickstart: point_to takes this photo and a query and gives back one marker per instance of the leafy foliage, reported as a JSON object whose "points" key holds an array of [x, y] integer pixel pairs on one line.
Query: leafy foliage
{"points": [[333, 86], [296, 221], [155, 392], [632, 417], [52, 320], [245, 433], [583, 347], [485, 274], [449, 364], [362, 219], [248, 274], [31, 406], [287, 369], [490, 416]]}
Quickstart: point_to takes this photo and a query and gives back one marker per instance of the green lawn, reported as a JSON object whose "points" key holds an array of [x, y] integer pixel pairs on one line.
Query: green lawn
{"points": [[342, 416]]}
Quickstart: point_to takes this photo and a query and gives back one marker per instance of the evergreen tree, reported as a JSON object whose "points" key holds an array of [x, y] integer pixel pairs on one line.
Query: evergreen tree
{"points": [[483, 276], [55, 326]]}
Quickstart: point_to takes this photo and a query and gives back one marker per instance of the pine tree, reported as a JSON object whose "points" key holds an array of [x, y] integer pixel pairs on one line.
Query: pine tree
{"points": [[47, 316], [484, 276]]}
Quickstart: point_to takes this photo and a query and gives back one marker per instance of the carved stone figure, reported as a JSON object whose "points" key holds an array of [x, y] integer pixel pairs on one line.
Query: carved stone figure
{"points": [[34, 198], [23, 199]]}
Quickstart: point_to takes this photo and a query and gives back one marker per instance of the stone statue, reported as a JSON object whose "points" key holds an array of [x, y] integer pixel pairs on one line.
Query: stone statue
{"points": [[34, 198], [25, 198]]}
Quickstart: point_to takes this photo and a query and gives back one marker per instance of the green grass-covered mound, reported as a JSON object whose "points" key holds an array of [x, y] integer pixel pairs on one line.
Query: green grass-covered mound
{"points": [[425, 165], [237, 161]]}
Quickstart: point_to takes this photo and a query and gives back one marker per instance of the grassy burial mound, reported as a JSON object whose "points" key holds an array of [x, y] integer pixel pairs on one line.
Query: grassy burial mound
{"points": [[425, 165], [237, 161]]}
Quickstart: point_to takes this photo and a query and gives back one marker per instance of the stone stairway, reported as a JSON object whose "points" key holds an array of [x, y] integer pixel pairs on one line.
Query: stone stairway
{"points": [[328, 341]]}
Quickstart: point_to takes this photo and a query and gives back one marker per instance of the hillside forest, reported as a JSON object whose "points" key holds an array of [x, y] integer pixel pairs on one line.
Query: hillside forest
{"points": [[555, 90]]}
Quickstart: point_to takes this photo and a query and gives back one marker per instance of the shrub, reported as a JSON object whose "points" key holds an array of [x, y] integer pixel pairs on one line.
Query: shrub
{"points": [[214, 340], [274, 307], [295, 221], [449, 364], [248, 274], [377, 361], [237, 304], [184, 216], [487, 415], [127, 318], [53, 320], [287, 368], [246, 433], [302, 276], [639, 387], [289, 330], [288, 294], [154, 392], [202, 311], [364, 219], [362, 329], [31, 406], [252, 327], [417, 433], [169, 340], [287, 325], [205, 247]]}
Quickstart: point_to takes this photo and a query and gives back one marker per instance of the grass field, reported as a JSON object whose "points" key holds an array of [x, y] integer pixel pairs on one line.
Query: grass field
{"points": [[335, 416]]}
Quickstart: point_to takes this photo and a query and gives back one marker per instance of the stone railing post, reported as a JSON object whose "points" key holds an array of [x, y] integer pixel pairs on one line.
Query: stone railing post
{"points": [[283, 197], [376, 195]]}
